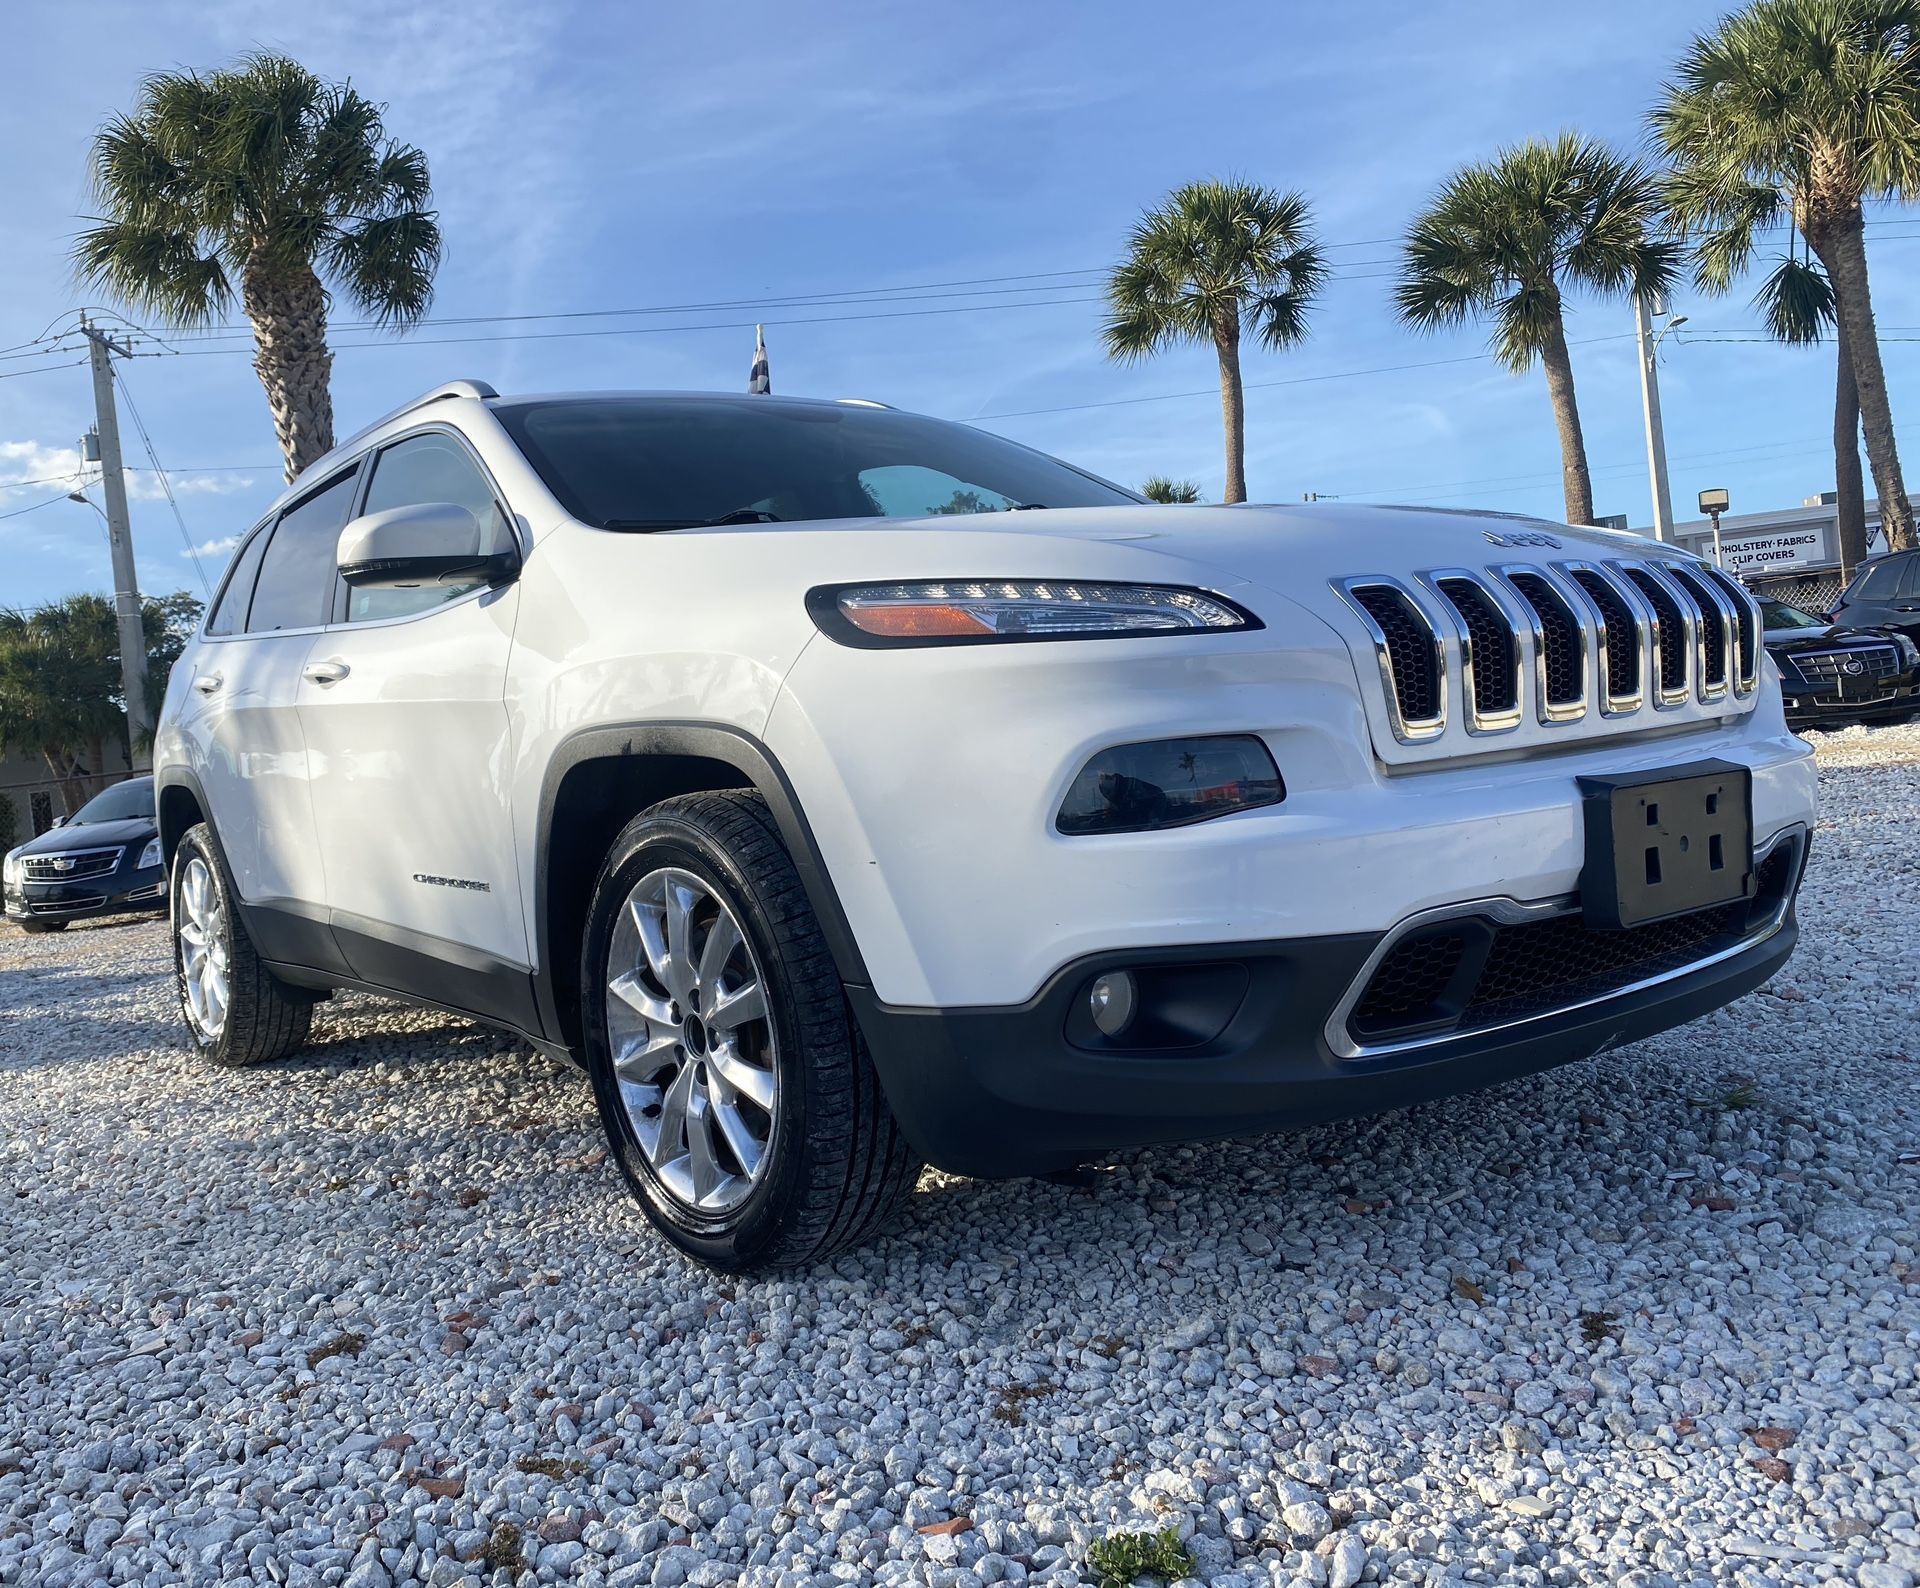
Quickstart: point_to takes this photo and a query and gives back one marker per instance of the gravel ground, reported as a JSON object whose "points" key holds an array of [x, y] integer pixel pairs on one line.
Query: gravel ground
{"points": [[385, 1314]]}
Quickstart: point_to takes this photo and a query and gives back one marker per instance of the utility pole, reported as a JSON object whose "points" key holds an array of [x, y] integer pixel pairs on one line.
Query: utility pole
{"points": [[126, 587], [1650, 401]]}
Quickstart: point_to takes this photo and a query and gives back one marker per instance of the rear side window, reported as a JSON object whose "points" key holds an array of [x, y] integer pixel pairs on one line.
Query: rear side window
{"points": [[1911, 584], [295, 587], [1878, 580], [229, 613], [426, 468]]}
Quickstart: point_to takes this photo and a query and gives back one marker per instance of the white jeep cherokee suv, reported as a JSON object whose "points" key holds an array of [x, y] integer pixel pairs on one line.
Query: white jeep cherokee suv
{"points": [[846, 789]]}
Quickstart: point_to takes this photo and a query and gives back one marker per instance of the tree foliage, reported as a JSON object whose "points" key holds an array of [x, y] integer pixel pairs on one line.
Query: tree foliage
{"points": [[1160, 488]]}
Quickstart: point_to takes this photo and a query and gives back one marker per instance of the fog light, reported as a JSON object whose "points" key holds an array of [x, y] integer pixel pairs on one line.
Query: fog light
{"points": [[1112, 1001]]}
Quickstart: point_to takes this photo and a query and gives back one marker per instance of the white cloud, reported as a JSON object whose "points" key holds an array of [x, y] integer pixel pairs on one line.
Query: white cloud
{"points": [[34, 464], [213, 548]]}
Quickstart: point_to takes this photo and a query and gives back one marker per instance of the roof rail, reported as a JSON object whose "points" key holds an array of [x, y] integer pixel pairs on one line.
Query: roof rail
{"points": [[476, 389]]}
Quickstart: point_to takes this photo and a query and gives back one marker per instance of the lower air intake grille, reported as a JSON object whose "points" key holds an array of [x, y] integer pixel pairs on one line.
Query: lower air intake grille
{"points": [[1472, 971]]}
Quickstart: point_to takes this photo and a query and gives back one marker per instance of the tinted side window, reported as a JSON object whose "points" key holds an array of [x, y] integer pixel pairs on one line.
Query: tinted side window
{"points": [[295, 588], [229, 613], [1878, 581], [426, 468], [1911, 584]]}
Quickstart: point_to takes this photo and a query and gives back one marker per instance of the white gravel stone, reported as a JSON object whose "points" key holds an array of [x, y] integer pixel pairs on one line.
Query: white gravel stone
{"points": [[225, 1302]]}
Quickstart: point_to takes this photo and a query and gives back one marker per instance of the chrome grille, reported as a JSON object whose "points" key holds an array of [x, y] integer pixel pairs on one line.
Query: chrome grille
{"points": [[73, 866], [1557, 642], [1875, 661]]}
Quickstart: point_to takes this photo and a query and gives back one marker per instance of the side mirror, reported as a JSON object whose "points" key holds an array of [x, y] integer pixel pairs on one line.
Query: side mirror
{"points": [[422, 544], [58, 821]]}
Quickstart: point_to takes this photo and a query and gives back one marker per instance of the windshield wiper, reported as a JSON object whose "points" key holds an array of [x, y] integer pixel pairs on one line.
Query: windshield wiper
{"points": [[740, 515]]}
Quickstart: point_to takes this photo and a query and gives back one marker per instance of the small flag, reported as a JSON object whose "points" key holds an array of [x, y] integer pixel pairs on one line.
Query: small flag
{"points": [[759, 383]]}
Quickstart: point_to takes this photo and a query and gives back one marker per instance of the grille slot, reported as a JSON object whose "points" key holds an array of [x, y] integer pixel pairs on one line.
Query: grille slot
{"points": [[1622, 646], [1472, 971], [1492, 657], [1671, 629], [1563, 651], [1746, 622], [1412, 656], [1876, 661], [1713, 627]]}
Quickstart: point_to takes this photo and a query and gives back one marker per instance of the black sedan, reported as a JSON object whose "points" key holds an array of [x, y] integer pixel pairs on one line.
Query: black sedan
{"points": [[104, 860], [1831, 674]]}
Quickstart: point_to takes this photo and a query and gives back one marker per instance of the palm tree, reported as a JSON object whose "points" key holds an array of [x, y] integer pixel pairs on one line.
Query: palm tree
{"points": [[261, 176], [1803, 109], [1213, 260], [1159, 488], [1508, 240]]}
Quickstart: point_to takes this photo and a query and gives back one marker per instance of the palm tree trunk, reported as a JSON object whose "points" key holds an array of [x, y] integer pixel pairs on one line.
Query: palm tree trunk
{"points": [[1576, 482], [1849, 491], [1842, 249], [288, 308], [1233, 406]]}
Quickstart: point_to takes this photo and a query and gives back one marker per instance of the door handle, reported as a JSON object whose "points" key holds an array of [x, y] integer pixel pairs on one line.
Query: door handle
{"points": [[325, 672], [207, 683]]}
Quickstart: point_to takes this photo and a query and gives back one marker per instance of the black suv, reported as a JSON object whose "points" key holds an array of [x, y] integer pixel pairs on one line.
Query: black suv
{"points": [[1885, 594], [105, 860]]}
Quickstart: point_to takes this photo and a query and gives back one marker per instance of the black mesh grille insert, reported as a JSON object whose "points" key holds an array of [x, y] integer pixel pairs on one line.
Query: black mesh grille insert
{"points": [[1416, 676], [1494, 653], [1713, 627], [1429, 984], [1673, 630], [1565, 658], [1743, 616], [1623, 635]]}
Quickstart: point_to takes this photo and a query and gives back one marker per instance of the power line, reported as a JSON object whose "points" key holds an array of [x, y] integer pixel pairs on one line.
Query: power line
{"points": [[48, 502], [166, 485]]}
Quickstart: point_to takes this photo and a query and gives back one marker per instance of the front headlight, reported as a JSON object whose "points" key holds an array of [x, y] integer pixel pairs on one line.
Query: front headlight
{"points": [[10, 870], [150, 856], [1909, 652], [988, 611]]}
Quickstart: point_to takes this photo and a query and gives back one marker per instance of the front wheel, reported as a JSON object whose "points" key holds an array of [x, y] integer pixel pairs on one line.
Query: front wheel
{"points": [[735, 1093], [237, 1011], [35, 928]]}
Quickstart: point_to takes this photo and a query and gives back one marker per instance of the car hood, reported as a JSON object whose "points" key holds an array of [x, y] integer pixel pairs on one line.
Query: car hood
{"points": [[1291, 549], [94, 835]]}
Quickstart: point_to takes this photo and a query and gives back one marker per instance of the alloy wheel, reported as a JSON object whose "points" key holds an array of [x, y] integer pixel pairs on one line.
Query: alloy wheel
{"points": [[205, 974], [692, 1040]]}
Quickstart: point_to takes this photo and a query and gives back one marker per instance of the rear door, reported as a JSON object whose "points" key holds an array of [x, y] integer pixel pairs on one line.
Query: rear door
{"points": [[241, 711], [404, 713]]}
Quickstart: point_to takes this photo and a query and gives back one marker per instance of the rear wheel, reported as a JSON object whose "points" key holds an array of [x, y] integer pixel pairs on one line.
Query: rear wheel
{"points": [[237, 1011], [743, 1111]]}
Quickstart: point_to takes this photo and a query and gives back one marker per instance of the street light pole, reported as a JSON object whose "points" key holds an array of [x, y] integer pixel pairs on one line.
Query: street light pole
{"points": [[1650, 401], [126, 587]]}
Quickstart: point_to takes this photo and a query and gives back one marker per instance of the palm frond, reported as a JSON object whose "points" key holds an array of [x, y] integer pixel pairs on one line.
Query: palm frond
{"points": [[1797, 303], [387, 265]]}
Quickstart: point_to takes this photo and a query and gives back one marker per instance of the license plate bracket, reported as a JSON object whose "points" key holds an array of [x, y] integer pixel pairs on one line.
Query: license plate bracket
{"points": [[1664, 843]]}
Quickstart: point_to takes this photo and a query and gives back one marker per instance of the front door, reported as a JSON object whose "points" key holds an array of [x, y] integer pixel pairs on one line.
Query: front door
{"points": [[240, 721], [402, 703]]}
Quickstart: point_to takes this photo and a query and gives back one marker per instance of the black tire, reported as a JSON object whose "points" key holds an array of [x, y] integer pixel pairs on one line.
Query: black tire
{"points": [[837, 1164], [37, 927], [265, 1018]]}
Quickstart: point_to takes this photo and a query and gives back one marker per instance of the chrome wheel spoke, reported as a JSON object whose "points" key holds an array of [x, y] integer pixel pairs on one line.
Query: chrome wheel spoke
{"points": [[737, 1006], [205, 968], [744, 1079], [691, 1040]]}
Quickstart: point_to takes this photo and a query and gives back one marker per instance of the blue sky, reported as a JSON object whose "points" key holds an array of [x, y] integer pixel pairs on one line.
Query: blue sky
{"points": [[589, 157]]}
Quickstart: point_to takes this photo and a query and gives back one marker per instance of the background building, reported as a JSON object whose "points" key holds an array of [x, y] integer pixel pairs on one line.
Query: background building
{"points": [[1792, 554]]}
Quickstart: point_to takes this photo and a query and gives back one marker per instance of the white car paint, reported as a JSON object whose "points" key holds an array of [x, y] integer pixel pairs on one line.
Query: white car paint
{"points": [[929, 777]]}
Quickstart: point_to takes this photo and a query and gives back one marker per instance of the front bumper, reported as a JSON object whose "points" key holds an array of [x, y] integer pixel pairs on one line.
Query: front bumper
{"points": [[1024, 1089], [1900, 699], [128, 890]]}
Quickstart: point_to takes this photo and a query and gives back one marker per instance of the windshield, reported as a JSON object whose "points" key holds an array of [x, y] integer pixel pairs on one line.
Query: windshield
{"points": [[1778, 615], [118, 804], [678, 462]]}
